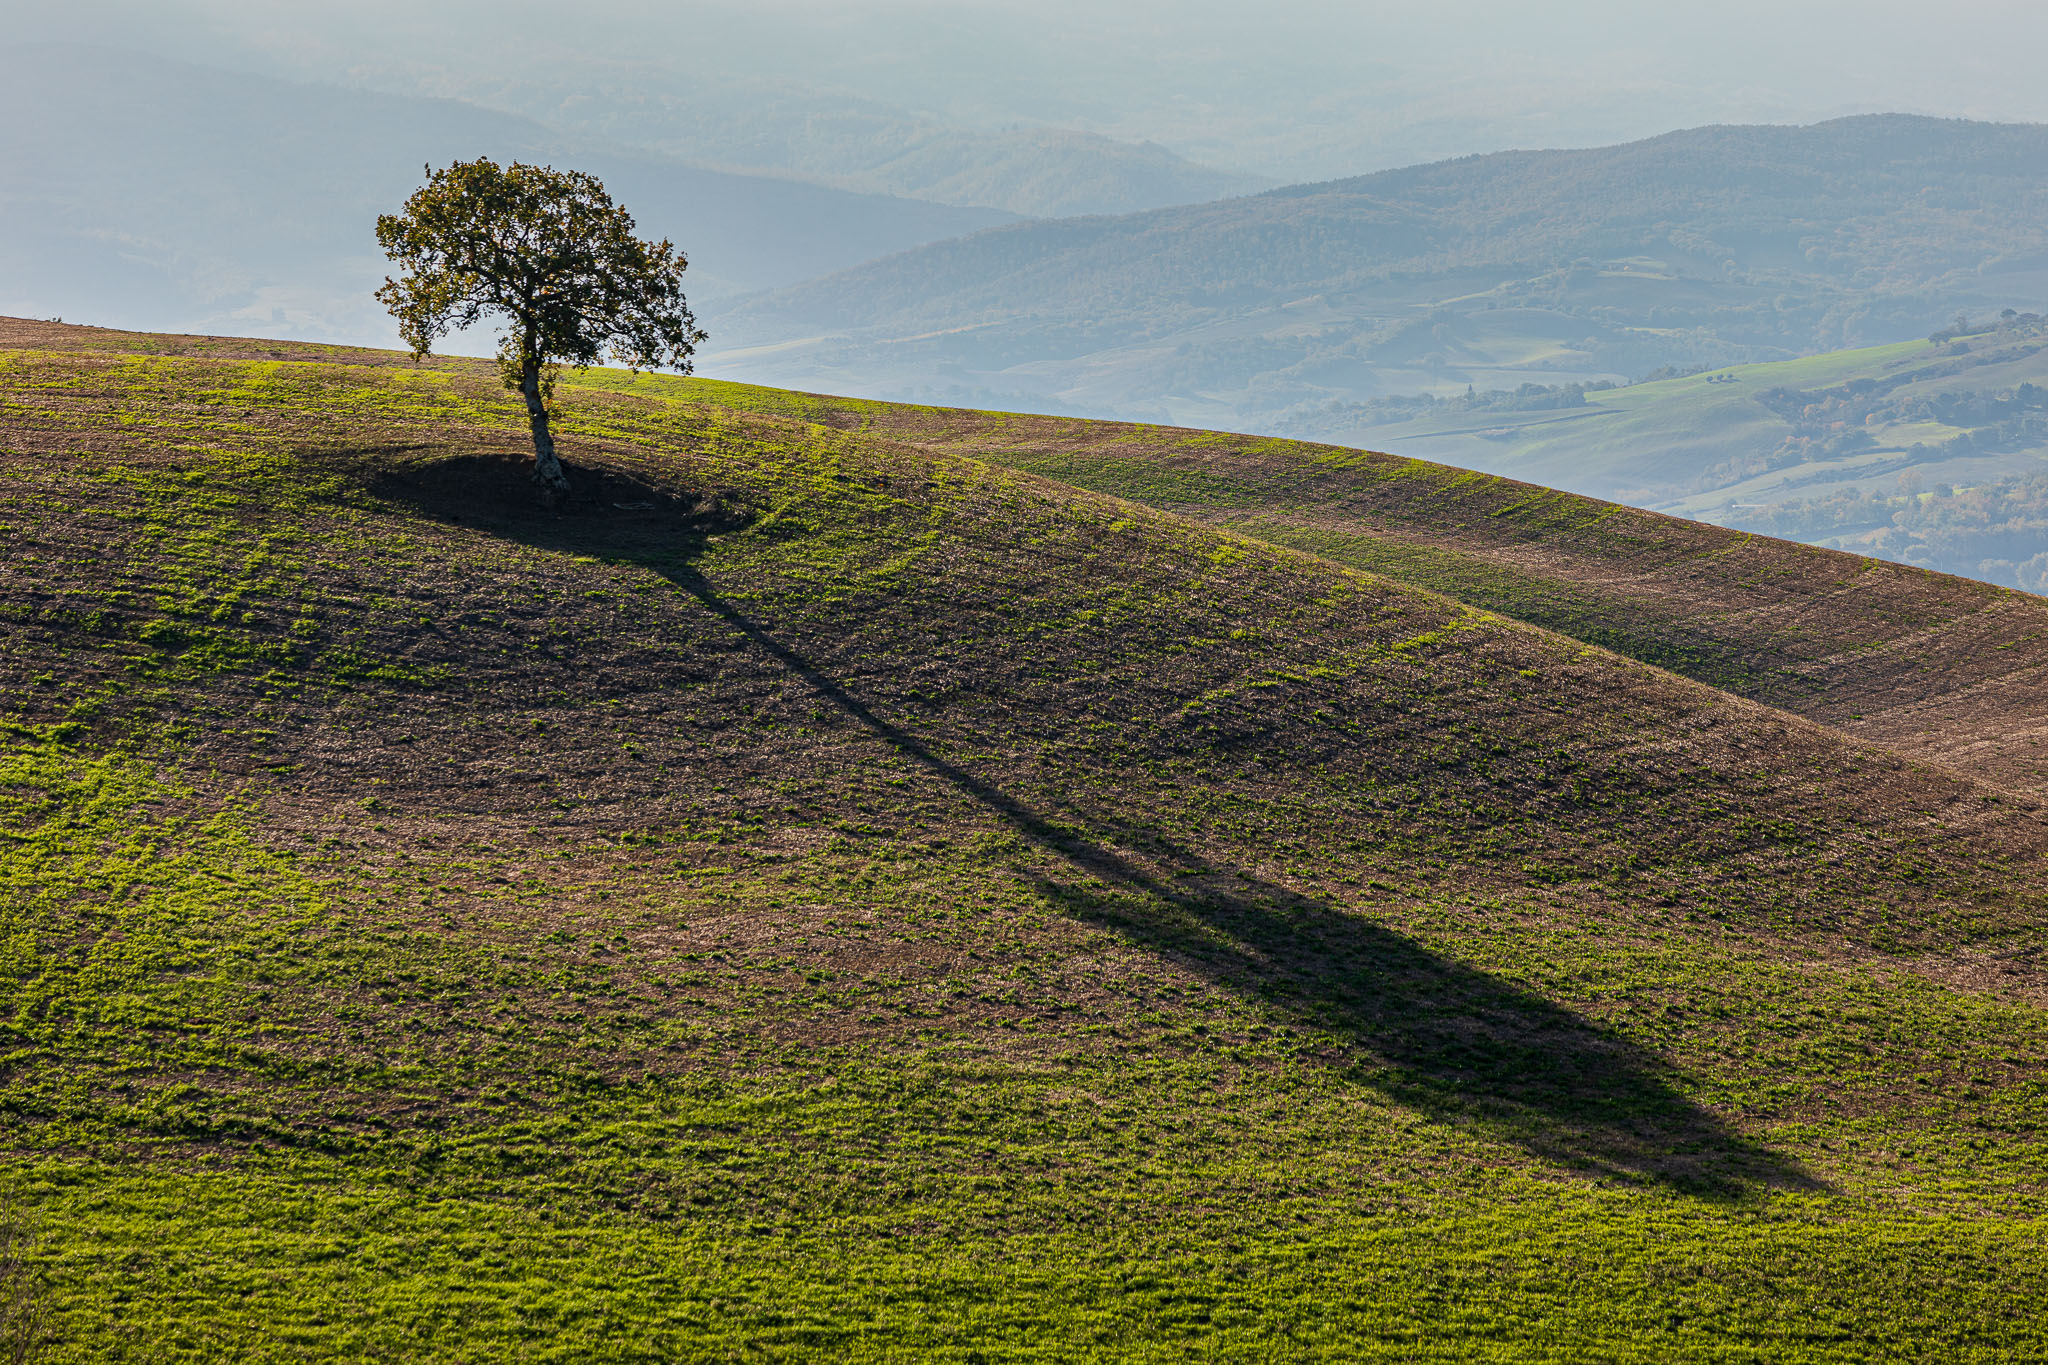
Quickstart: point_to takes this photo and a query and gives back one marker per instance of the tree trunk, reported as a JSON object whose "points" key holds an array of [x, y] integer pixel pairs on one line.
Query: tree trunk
{"points": [[547, 469]]}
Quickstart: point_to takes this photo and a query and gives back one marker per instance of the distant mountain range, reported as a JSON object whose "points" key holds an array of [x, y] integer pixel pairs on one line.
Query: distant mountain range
{"points": [[852, 143], [1713, 246], [150, 193]]}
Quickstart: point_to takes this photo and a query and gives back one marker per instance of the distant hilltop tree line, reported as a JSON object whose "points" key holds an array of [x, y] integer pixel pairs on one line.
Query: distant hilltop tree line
{"points": [[1675, 372], [1525, 398], [549, 254], [1408, 407], [2011, 320]]}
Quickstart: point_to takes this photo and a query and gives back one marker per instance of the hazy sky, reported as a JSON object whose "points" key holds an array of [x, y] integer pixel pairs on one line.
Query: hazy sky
{"points": [[1290, 89]]}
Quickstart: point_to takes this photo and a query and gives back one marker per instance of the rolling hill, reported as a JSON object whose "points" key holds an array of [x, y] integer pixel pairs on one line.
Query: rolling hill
{"points": [[1941, 668], [1711, 246], [824, 895]]}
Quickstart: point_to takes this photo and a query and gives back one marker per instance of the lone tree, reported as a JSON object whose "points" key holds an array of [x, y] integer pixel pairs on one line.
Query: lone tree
{"points": [[552, 253]]}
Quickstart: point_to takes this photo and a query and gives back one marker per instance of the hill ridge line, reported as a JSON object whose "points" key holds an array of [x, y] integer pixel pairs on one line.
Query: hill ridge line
{"points": [[1044, 446]]}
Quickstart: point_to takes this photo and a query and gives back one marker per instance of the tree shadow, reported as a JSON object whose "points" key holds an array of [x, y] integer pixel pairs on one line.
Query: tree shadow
{"points": [[1438, 1035], [637, 518]]}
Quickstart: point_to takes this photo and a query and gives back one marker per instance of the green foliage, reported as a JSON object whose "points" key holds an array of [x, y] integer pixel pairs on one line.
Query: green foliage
{"points": [[550, 252], [546, 249]]}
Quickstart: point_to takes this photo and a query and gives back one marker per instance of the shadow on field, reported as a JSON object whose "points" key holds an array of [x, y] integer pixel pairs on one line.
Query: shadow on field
{"points": [[644, 520], [1447, 1039]]}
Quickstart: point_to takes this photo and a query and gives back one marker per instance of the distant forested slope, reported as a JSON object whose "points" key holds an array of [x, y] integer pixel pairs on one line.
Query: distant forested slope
{"points": [[1932, 452], [1708, 247]]}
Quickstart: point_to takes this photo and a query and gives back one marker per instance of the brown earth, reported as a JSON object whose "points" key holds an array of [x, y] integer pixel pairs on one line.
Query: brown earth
{"points": [[761, 678], [1939, 668]]}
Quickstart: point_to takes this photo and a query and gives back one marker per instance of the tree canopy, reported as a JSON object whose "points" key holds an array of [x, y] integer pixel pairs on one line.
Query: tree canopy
{"points": [[551, 253]]}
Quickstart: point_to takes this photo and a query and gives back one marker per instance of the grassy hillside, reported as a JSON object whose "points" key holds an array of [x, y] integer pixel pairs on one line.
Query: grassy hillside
{"points": [[823, 897], [1711, 246], [1936, 667]]}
